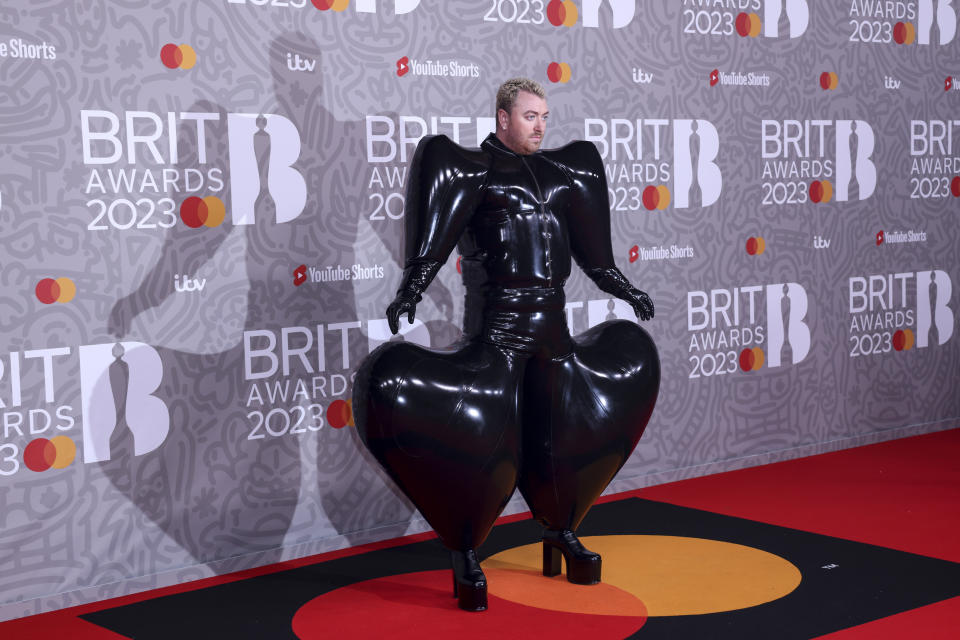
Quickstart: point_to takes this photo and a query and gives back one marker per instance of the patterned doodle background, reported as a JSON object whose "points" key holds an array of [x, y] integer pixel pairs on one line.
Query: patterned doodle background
{"points": [[201, 218]]}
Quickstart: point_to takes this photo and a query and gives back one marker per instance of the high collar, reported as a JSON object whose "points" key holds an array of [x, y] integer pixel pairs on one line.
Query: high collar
{"points": [[493, 142]]}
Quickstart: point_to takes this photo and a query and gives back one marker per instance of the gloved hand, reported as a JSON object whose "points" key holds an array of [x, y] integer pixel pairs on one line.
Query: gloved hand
{"points": [[611, 280], [641, 303], [416, 278], [402, 304]]}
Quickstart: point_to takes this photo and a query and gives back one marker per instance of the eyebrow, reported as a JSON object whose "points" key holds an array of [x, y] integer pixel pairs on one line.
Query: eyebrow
{"points": [[531, 111]]}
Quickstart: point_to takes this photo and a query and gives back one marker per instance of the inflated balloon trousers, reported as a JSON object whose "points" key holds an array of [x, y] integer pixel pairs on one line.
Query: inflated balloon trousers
{"points": [[517, 401]]}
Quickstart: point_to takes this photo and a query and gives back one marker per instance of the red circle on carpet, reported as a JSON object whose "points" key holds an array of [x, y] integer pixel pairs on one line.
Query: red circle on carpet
{"points": [[421, 605]]}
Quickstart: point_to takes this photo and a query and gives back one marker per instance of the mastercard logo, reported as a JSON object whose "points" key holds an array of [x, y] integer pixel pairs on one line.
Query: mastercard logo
{"points": [[751, 359], [60, 290], [656, 197], [327, 5], [821, 191], [175, 56], [562, 13], [559, 72], [340, 414], [829, 80], [904, 33], [903, 340], [198, 212], [756, 245], [748, 24], [41, 454]]}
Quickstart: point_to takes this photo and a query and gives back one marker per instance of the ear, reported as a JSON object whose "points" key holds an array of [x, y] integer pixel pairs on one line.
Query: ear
{"points": [[502, 118]]}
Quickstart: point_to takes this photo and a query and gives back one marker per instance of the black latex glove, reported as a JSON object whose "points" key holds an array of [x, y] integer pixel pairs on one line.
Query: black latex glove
{"points": [[611, 280], [641, 303], [402, 304], [416, 278]]}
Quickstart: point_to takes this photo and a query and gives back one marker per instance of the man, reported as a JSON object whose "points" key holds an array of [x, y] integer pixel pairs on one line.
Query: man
{"points": [[521, 115], [517, 402]]}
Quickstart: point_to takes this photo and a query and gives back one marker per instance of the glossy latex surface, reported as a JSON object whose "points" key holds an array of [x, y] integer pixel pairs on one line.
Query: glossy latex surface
{"points": [[517, 401]]}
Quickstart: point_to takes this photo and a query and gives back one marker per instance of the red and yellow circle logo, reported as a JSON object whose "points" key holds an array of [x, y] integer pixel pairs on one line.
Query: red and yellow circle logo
{"points": [[340, 414], [559, 72], [562, 13], [60, 290], [656, 197], [178, 56], [198, 212], [829, 80], [748, 25], [903, 340], [328, 5], [756, 245], [904, 33], [56, 453], [751, 359], [821, 191]]}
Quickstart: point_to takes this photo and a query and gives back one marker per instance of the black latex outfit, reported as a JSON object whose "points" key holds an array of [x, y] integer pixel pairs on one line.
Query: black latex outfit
{"points": [[517, 402]]}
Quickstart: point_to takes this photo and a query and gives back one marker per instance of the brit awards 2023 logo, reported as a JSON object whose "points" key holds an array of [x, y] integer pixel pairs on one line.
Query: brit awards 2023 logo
{"points": [[934, 163], [897, 311], [399, 7], [745, 18], [816, 161], [298, 377], [653, 163], [141, 177], [561, 13], [746, 328], [390, 143], [903, 22], [118, 383]]}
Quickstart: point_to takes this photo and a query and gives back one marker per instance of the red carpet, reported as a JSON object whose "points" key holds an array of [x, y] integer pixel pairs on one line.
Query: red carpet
{"points": [[902, 494]]}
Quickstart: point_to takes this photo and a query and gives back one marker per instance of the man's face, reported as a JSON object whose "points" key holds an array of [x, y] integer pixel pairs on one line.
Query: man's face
{"points": [[523, 128]]}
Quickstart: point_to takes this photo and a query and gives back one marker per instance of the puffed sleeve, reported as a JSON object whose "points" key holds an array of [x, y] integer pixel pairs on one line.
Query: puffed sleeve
{"points": [[588, 217], [444, 187]]}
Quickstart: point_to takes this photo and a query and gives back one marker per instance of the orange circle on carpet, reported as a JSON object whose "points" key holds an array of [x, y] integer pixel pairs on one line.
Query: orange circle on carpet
{"points": [[671, 576]]}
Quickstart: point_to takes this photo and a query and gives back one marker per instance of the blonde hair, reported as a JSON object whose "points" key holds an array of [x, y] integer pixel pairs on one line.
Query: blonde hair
{"points": [[507, 93]]}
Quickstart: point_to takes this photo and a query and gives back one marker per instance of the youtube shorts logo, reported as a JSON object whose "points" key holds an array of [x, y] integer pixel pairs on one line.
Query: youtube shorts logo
{"points": [[880, 238], [403, 66], [714, 77], [634, 253], [948, 83], [299, 275]]}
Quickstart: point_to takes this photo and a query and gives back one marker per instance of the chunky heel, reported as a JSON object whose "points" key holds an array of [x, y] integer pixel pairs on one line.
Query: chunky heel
{"points": [[551, 560], [583, 566], [469, 583]]}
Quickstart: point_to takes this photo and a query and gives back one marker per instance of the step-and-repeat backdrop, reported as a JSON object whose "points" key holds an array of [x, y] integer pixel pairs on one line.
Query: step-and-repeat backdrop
{"points": [[201, 214]]}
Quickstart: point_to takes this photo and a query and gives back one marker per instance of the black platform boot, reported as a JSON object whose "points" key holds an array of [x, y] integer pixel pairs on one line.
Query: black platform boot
{"points": [[469, 583], [583, 566]]}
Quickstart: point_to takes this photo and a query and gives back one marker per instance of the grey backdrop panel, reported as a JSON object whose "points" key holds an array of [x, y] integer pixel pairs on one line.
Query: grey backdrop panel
{"points": [[185, 411]]}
